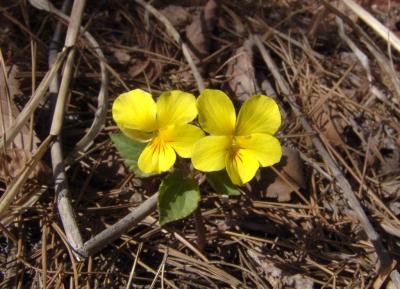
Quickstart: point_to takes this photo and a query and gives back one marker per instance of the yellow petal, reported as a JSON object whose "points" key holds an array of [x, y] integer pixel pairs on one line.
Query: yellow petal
{"points": [[135, 109], [217, 115], [259, 114], [175, 108], [136, 134], [182, 138], [265, 148], [209, 153], [157, 157], [241, 166]]}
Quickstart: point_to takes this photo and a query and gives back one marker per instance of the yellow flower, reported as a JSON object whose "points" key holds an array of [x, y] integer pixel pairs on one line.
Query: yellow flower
{"points": [[164, 125], [240, 145]]}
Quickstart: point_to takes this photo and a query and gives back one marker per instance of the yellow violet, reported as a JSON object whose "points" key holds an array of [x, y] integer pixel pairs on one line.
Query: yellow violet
{"points": [[163, 124], [240, 145]]}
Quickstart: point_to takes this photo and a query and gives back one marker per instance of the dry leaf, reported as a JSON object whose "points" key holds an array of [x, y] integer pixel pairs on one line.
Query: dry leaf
{"points": [[241, 72], [267, 87], [329, 124], [177, 15], [391, 158], [13, 161], [121, 55], [277, 277], [234, 21], [138, 67], [381, 5], [9, 88], [291, 167], [197, 33], [394, 282]]}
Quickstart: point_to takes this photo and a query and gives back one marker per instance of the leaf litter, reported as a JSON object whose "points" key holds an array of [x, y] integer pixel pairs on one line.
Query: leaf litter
{"points": [[292, 230], [14, 159]]}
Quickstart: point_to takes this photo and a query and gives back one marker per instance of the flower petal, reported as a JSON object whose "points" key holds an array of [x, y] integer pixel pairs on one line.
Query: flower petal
{"points": [[241, 166], [136, 134], [217, 115], [209, 153], [265, 148], [157, 157], [135, 109], [175, 107], [259, 114], [182, 138]]}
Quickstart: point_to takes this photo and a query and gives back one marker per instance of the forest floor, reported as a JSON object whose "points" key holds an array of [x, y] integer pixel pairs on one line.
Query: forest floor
{"points": [[327, 216]]}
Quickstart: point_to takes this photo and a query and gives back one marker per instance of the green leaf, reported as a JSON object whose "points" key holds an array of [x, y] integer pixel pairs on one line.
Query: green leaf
{"points": [[222, 184], [130, 151], [178, 197]]}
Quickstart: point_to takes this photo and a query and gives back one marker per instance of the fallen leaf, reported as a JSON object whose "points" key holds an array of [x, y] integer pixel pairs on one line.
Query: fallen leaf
{"points": [[138, 67], [391, 158], [9, 88], [291, 168], [395, 206], [381, 5], [267, 87], [241, 72], [177, 15], [234, 21], [329, 124], [13, 161], [197, 32], [394, 282], [276, 276], [121, 55]]}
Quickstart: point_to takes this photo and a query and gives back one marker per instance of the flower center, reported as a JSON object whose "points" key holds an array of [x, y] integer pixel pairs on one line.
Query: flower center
{"points": [[157, 145], [234, 149]]}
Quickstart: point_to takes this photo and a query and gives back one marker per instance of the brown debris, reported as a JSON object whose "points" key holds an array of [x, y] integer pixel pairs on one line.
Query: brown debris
{"points": [[291, 228], [177, 15], [198, 32], [13, 161], [240, 72], [9, 89], [292, 170]]}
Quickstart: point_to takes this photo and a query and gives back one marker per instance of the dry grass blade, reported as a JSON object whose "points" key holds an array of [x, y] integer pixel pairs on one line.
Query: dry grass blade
{"points": [[175, 35], [102, 98], [384, 63], [63, 201], [384, 258], [13, 160], [61, 184], [206, 266], [18, 183], [33, 102], [379, 28], [9, 88], [362, 57], [115, 231], [313, 239]]}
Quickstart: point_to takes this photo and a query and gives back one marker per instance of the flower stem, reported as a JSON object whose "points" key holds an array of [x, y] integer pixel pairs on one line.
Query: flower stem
{"points": [[200, 229]]}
